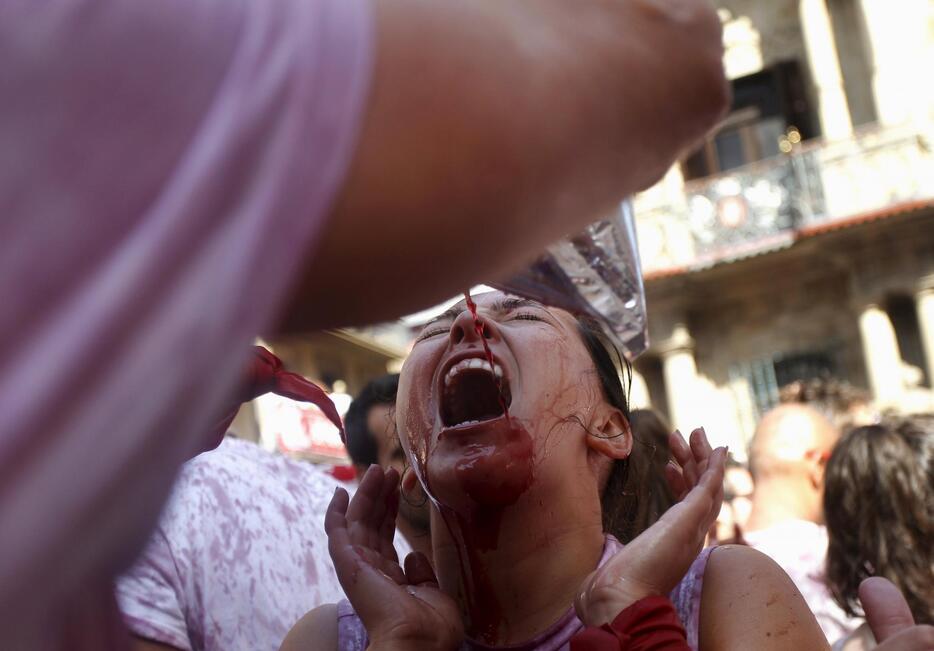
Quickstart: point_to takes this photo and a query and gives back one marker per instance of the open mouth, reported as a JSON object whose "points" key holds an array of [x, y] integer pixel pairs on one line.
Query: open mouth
{"points": [[472, 393]]}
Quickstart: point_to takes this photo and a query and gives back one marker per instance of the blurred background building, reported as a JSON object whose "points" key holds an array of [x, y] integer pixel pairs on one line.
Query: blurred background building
{"points": [[798, 240]]}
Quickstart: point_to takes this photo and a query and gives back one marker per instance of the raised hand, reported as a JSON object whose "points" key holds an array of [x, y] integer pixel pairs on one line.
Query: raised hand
{"points": [[890, 618], [401, 609], [688, 462], [659, 557]]}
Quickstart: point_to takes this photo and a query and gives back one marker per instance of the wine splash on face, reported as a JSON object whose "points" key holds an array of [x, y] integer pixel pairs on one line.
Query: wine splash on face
{"points": [[496, 404], [481, 394], [493, 470], [480, 329]]}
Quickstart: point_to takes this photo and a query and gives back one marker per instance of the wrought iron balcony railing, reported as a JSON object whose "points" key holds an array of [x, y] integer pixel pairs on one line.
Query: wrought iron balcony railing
{"points": [[768, 204]]}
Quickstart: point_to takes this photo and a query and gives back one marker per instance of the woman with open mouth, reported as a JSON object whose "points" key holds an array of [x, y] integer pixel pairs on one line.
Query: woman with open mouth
{"points": [[522, 451]]}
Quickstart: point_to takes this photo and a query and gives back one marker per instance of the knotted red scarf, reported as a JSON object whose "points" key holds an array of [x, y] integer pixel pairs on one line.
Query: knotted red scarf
{"points": [[264, 373], [650, 624]]}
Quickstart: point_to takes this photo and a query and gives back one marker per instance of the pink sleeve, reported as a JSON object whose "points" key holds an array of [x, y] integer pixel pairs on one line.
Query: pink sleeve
{"points": [[150, 593], [165, 171]]}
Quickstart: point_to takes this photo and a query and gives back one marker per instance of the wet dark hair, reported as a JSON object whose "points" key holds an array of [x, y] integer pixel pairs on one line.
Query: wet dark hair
{"points": [[879, 509], [647, 468], [361, 444], [625, 502]]}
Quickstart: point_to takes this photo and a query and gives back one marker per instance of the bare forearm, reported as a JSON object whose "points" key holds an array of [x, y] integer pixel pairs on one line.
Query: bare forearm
{"points": [[497, 127]]}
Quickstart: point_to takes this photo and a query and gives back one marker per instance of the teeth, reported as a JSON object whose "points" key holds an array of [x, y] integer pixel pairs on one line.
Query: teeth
{"points": [[472, 363]]}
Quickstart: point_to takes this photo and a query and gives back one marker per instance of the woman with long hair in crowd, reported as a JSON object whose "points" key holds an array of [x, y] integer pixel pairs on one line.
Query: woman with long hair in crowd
{"points": [[516, 457], [879, 508]]}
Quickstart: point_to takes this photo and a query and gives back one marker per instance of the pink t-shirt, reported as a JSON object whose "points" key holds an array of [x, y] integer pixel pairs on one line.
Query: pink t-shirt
{"points": [[239, 555], [166, 168]]}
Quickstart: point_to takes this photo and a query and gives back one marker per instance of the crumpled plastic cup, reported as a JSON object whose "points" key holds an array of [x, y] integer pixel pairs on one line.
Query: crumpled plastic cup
{"points": [[597, 273]]}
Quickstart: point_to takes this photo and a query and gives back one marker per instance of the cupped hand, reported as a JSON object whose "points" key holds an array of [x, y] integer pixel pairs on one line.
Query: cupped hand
{"points": [[890, 618], [401, 609], [657, 559]]}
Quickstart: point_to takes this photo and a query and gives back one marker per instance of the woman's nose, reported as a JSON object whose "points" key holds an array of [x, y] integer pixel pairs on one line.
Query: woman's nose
{"points": [[465, 329]]}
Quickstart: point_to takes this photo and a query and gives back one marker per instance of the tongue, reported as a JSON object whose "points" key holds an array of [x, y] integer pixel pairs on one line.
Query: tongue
{"points": [[472, 397]]}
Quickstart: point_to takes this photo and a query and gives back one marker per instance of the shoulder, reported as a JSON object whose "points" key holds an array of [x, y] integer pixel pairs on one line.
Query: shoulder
{"points": [[231, 453], [763, 608], [316, 630], [220, 482], [239, 514]]}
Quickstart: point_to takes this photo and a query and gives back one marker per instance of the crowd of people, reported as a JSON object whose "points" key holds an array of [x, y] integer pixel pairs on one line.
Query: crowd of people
{"points": [[839, 494], [178, 178], [241, 557]]}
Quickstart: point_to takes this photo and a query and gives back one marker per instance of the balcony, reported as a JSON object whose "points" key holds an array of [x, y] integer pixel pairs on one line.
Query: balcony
{"points": [[770, 204]]}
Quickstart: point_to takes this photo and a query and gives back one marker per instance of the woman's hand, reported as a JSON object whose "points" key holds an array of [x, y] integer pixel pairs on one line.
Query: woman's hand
{"points": [[659, 557], [400, 609]]}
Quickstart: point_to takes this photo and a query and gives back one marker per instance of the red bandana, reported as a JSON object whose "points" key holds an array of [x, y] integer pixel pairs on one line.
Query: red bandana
{"points": [[264, 373]]}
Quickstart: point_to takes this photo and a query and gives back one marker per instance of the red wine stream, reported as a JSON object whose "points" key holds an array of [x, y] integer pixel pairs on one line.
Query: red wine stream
{"points": [[480, 329], [496, 480]]}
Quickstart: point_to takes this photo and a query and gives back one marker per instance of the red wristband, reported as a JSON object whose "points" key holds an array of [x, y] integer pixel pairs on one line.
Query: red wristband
{"points": [[650, 624]]}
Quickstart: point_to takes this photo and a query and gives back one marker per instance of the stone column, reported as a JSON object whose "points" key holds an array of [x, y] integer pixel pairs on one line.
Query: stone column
{"points": [[824, 64], [924, 305], [681, 386], [881, 354], [639, 392], [898, 54]]}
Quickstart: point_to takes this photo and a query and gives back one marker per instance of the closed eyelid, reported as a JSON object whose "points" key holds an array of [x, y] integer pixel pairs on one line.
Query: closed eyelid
{"points": [[538, 310], [512, 304], [428, 333], [502, 308]]}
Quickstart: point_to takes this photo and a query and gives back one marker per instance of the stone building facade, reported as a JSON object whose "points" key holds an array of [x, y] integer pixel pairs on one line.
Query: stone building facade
{"points": [[798, 240]]}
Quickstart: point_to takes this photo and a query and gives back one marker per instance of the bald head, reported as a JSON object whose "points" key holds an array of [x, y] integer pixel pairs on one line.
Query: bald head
{"points": [[787, 438]]}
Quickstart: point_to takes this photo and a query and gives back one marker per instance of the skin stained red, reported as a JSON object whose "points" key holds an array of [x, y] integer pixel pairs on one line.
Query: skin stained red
{"points": [[495, 477], [494, 466], [481, 334], [494, 473]]}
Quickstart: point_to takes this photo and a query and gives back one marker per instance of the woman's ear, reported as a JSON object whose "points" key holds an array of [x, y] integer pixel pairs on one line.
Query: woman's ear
{"points": [[611, 435]]}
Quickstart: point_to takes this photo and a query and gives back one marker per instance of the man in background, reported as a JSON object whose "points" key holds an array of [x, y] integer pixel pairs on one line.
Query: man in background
{"points": [[843, 404], [239, 555], [790, 448], [370, 429]]}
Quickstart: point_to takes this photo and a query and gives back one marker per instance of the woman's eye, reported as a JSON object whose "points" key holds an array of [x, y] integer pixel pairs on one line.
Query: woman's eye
{"points": [[431, 333]]}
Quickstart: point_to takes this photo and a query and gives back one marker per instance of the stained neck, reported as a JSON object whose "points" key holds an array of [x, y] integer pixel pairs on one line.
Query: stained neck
{"points": [[511, 592]]}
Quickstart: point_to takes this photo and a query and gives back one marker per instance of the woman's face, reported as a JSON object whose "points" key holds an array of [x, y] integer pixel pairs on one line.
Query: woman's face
{"points": [[449, 412]]}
